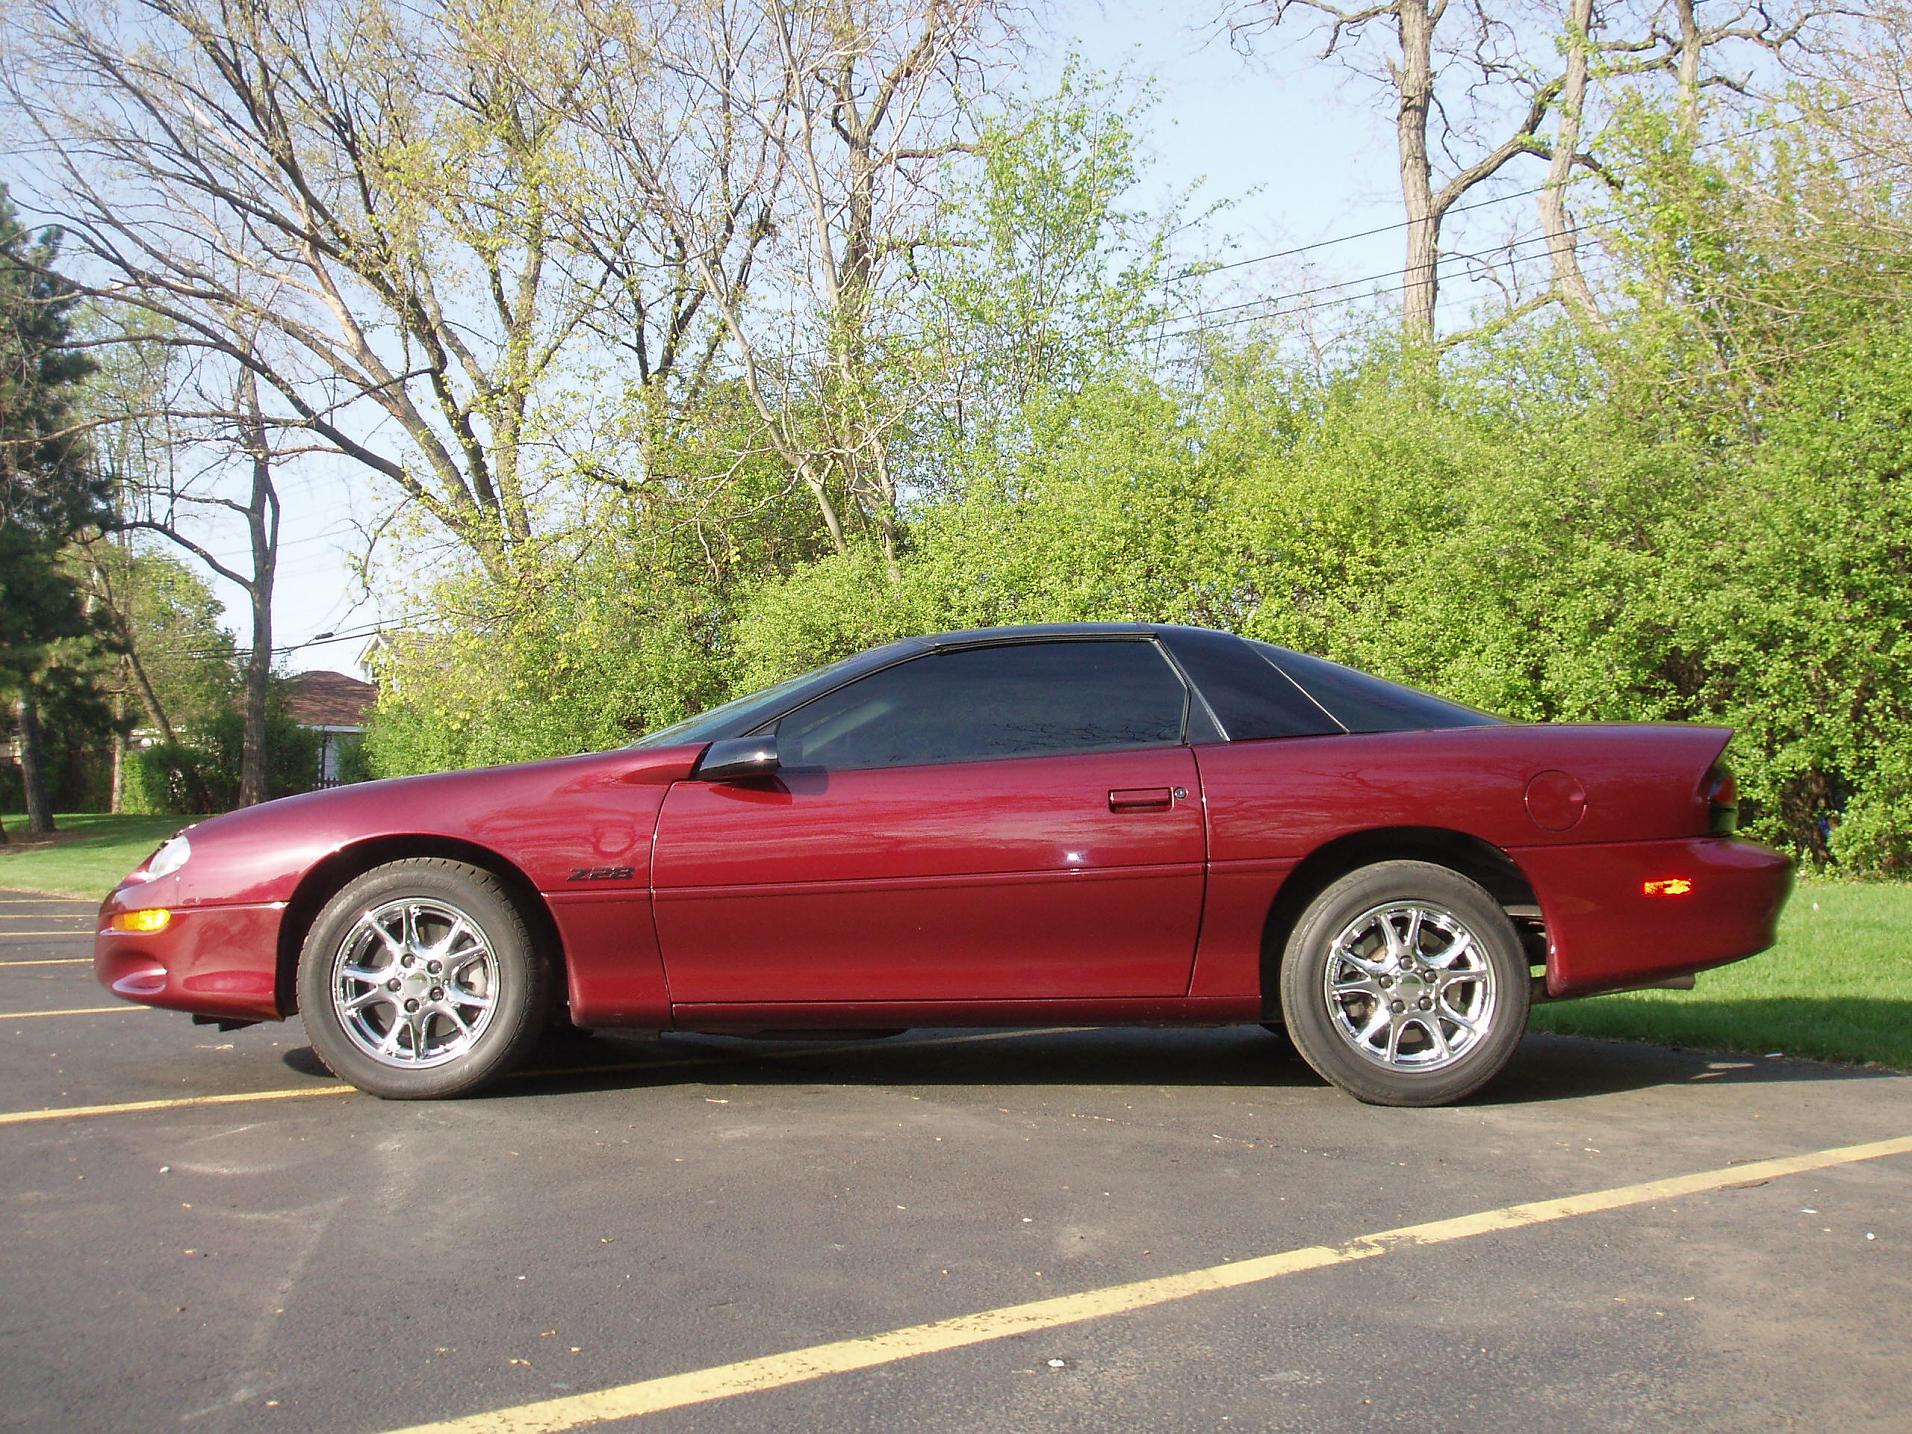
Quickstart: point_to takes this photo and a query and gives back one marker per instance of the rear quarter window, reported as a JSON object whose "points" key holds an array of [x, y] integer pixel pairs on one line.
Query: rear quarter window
{"points": [[1363, 703]]}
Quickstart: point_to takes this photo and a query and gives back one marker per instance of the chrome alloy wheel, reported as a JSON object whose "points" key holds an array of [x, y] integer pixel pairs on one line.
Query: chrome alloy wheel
{"points": [[414, 983], [1409, 987]]}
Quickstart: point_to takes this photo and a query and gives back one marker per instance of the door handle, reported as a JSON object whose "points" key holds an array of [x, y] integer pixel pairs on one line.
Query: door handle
{"points": [[1140, 799]]}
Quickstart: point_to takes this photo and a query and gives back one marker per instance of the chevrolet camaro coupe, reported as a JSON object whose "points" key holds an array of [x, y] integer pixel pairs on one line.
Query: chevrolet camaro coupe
{"points": [[1087, 824]]}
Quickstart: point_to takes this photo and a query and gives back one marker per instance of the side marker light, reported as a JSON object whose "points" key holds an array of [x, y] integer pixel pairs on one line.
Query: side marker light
{"points": [[152, 918], [1668, 886]]}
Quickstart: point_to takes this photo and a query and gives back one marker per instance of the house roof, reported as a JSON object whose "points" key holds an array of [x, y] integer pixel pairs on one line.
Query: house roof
{"points": [[327, 699]]}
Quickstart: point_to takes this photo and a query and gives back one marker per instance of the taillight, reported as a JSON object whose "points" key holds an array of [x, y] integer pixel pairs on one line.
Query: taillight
{"points": [[1722, 801]]}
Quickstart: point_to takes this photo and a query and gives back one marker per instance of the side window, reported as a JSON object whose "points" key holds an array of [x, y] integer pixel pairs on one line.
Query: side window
{"points": [[1019, 700]]}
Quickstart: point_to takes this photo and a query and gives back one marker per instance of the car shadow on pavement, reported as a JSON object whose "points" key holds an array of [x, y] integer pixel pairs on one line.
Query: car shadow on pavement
{"points": [[1546, 1068], [1550, 1067]]}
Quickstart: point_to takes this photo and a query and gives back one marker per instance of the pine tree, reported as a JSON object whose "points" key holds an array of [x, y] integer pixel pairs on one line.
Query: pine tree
{"points": [[49, 491]]}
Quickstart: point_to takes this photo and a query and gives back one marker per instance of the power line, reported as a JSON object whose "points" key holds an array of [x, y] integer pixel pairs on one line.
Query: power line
{"points": [[337, 530], [1200, 315], [1505, 250], [358, 633], [1203, 321], [1198, 272], [1268, 306]]}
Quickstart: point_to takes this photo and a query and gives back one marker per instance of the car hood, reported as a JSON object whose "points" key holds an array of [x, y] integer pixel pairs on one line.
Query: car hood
{"points": [[259, 853]]}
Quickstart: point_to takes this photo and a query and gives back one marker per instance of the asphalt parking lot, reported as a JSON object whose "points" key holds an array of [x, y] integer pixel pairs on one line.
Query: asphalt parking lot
{"points": [[1068, 1230]]}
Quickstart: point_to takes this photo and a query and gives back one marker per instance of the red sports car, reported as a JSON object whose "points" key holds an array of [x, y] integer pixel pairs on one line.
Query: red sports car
{"points": [[1110, 824]]}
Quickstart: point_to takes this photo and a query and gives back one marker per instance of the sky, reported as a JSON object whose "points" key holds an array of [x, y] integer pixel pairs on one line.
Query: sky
{"points": [[1292, 148]]}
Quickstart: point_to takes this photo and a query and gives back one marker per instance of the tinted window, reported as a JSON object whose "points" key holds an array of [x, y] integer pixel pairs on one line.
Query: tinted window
{"points": [[1249, 697], [744, 714], [1369, 704], [983, 702]]}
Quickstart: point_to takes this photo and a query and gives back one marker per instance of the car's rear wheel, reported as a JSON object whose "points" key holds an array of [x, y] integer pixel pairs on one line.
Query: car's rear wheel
{"points": [[1404, 983], [420, 980]]}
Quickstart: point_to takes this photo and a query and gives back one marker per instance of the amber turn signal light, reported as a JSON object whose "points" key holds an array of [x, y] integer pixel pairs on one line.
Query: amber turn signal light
{"points": [[152, 918], [1668, 886]]}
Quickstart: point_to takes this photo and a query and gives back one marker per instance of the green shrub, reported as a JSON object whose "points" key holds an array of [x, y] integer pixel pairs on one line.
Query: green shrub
{"points": [[354, 761], [169, 779], [1521, 532], [200, 774]]}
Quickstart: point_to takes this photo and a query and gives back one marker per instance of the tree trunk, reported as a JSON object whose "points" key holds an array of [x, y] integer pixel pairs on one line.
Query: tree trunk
{"points": [[1692, 42], [252, 755], [148, 698], [118, 797], [26, 720], [1420, 285], [1569, 280], [262, 524]]}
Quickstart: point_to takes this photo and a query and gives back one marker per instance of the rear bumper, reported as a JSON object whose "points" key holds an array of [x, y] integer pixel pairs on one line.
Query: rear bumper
{"points": [[1606, 930], [210, 960]]}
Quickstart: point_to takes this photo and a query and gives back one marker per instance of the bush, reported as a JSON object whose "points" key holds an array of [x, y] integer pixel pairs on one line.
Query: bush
{"points": [[1519, 533], [354, 762], [1873, 834], [201, 775], [292, 753], [169, 779]]}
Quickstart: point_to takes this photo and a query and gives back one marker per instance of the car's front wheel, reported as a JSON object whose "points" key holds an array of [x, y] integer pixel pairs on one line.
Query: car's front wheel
{"points": [[420, 980], [1404, 983]]}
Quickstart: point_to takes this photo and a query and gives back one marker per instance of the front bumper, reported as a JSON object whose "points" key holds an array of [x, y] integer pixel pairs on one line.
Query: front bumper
{"points": [[219, 961], [1607, 931]]}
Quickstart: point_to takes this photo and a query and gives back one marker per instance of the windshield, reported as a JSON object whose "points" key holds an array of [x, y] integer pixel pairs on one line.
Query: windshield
{"points": [[738, 715]]}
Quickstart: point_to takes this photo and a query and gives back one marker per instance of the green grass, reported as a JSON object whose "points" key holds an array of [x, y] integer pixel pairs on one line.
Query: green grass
{"points": [[86, 856], [1837, 987]]}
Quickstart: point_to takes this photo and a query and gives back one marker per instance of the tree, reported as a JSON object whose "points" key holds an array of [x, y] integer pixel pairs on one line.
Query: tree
{"points": [[351, 203], [49, 491], [1040, 280], [794, 185], [1866, 95], [176, 422], [1448, 71], [176, 666], [1473, 85]]}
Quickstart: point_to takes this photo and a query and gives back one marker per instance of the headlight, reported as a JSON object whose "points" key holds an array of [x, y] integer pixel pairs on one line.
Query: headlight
{"points": [[169, 858]]}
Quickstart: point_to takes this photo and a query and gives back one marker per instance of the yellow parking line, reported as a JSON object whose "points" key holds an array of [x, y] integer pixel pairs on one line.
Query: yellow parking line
{"points": [[75, 1011], [59, 961], [703, 1386], [185, 1102], [133, 1107]]}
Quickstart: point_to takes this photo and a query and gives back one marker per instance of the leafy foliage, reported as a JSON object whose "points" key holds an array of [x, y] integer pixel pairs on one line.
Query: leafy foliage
{"points": [[49, 491], [1698, 513], [200, 773], [167, 616]]}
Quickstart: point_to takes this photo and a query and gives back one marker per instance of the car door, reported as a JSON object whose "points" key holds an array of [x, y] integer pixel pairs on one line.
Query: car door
{"points": [[1003, 822]]}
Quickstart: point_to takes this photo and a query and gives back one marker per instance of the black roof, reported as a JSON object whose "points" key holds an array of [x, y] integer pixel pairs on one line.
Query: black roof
{"points": [[1245, 689], [978, 636]]}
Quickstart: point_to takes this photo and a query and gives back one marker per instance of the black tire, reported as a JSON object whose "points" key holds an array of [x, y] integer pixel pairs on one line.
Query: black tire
{"points": [[1425, 1023], [472, 989]]}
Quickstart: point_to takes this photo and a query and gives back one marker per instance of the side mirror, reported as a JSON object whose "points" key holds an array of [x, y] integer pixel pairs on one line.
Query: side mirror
{"points": [[736, 759]]}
